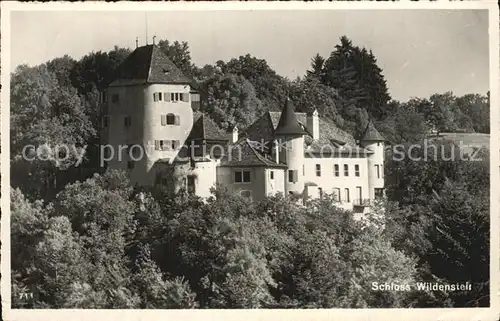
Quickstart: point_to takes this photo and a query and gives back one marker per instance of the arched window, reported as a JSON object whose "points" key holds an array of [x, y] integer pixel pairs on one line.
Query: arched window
{"points": [[170, 119]]}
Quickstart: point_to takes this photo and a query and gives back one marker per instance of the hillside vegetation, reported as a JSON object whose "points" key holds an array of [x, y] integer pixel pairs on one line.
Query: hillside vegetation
{"points": [[82, 238]]}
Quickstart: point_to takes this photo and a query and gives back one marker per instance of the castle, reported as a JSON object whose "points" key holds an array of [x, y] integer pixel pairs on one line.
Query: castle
{"points": [[150, 130]]}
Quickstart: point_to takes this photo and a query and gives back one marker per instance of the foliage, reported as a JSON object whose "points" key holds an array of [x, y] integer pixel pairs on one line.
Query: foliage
{"points": [[83, 239]]}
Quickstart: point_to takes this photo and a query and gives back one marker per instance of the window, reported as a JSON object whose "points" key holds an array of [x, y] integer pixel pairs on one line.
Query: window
{"points": [[359, 193], [379, 193], [170, 119], [336, 194], [271, 174], [320, 190], [163, 144], [346, 195], [175, 144], [293, 176], [128, 121], [104, 97], [115, 98], [164, 181], [346, 170], [246, 194], [157, 96], [130, 165], [191, 187], [175, 97], [356, 170], [105, 121], [242, 176], [318, 170], [195, 97], [336, 170], [377, 168]]}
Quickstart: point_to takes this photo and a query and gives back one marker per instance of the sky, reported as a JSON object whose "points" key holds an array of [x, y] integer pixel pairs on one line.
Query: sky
{"points": [[421, 52]]}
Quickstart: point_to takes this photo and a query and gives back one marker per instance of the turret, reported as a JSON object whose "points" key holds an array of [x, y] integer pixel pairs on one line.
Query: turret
{"points": [[290, 136], [373, 141]]}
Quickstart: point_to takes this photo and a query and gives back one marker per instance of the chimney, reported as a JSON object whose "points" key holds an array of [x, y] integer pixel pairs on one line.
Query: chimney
{"points": [[276, 151], [313, 124], [234, 138]]}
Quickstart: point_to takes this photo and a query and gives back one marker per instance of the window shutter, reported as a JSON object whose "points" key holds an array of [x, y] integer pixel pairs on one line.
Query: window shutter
{"points": [[177, 120], [167, 144], [163, 120], [167, 97], [155, 96], [157, 144], [185, 97], [295, 176]]}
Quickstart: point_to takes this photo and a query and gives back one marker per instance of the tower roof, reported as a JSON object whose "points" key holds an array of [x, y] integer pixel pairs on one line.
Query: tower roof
{"points": [[371, 133], [288, 124], [148, 64]]}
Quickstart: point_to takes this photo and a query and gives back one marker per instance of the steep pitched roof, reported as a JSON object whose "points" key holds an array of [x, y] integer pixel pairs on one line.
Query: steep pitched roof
{"points": [[371, 133], [288, 124], [245, 153], [206, 129], [148, 64], [328, 131]]}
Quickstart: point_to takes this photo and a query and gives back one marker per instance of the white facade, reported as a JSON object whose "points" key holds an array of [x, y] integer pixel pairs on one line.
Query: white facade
{"points": [[158, 118]]}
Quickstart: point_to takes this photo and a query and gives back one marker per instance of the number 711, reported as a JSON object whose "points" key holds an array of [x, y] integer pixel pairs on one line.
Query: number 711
{"points": [[25, 296]]}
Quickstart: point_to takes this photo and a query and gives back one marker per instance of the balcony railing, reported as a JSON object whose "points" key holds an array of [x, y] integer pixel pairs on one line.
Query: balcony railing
{"points": [[362, 202]]}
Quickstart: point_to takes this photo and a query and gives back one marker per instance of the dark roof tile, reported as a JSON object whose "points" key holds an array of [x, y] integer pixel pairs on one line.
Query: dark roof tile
{"points": [[244, 154], [148, 64], [205, 128], [288, 124], [371, 133]]}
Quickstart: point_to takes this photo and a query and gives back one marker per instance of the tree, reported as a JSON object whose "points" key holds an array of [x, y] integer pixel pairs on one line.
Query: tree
{"points": [[61, 68], [101, 214], [476, 112], [96, 70], [460, 238], [270, 88], [179, 53], [45, 117], [317, 70], [157, 292], [353, 71], [310, 94], [231, 100]]}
